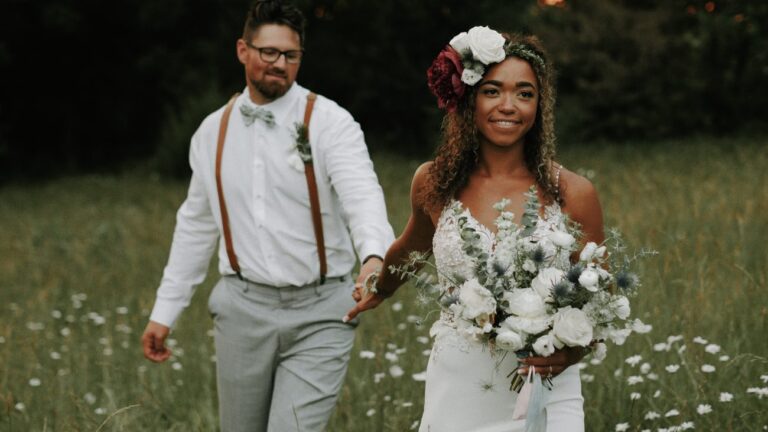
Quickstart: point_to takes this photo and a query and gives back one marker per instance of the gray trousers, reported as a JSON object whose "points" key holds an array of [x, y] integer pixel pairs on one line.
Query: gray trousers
{"points": [[281, 353]]}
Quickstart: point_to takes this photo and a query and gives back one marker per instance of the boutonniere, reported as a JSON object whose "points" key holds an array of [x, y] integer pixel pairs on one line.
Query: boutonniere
{"points": [[303, 154]]}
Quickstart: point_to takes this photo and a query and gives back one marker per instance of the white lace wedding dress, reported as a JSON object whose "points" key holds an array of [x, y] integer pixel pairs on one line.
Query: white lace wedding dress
{"points": [[467, 388]]}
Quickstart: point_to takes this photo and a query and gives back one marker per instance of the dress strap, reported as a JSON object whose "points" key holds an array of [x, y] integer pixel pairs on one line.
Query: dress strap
{"points": [[558, 168]]}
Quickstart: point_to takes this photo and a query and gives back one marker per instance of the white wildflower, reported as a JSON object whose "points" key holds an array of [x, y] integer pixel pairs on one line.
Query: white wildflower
{"points": [[712, 348], [704, 409], [707, 368], [726, 397], [367, 354], [396, 371], [652, 415]]}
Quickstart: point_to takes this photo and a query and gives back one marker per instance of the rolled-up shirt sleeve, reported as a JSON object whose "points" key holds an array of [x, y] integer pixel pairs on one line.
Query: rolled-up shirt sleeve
{"points": [[194, 242], [351, 173]]}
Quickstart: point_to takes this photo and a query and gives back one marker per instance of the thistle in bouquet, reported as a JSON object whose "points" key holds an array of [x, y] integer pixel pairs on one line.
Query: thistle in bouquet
{"points": [[535, 292]]}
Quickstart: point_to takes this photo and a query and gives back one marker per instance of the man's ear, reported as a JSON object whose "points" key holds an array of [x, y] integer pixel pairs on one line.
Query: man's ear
{"points": [[242, 51]]}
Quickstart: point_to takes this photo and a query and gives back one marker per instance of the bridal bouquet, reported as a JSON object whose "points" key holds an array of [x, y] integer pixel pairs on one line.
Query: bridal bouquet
{"points": [[527, 295]]}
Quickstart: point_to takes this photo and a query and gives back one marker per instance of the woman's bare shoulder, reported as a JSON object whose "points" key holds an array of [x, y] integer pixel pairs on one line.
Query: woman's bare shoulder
{"points": [[582, 203], [575, 187]]}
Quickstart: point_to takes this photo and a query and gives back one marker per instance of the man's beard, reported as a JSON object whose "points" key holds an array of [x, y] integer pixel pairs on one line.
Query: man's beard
{"points": [[271, 90]]}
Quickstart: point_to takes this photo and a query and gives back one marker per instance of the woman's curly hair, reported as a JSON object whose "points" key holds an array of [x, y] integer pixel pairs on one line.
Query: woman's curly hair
{"points": [[457, 155]]}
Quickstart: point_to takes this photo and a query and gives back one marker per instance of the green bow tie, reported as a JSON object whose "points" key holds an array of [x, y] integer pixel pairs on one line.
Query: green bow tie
{"points": [[251, 113]]}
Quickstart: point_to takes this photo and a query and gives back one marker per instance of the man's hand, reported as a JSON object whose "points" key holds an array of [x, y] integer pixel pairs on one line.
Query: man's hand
{"points": [[373, 264], [153, 342]]}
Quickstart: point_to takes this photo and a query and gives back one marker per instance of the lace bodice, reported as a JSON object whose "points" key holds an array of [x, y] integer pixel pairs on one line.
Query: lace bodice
{"points": [[450, 259]]}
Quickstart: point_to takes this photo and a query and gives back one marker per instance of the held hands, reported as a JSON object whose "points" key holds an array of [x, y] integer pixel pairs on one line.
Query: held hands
{"points": [[365, 300], [153, 342]]}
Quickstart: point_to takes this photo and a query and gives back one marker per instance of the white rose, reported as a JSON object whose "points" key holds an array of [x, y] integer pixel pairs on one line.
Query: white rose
{"points": [[561, 239], [572, 327], [588, 252], [470, 77], [487, 45], [509, 340], [546, 280], [525, 303], [477, 300], [527, 325], [620, 306], [600, 351], [545, 345], [588, 279], [460, 42]]}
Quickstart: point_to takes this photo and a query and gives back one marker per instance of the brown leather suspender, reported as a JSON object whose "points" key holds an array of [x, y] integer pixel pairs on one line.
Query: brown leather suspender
{"points": [[220, 189], [314, 201], [309, 171]]}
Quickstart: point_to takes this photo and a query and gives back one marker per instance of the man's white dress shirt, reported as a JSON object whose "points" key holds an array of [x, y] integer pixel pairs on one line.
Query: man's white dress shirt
{"points": [[268, 201]]}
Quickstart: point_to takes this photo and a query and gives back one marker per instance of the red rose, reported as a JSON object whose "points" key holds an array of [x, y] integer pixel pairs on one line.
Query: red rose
{"points": [[444, 78]]}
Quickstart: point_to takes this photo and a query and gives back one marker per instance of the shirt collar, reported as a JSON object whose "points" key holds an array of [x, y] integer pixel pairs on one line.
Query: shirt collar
{"points": [[280, 107]]}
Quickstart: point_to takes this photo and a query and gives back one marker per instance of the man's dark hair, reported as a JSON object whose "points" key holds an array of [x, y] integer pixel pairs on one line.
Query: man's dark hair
{"points": [[273, 12]]}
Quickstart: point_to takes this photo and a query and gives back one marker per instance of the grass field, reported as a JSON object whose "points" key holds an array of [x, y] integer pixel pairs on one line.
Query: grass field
{"points": [[80, 259]]}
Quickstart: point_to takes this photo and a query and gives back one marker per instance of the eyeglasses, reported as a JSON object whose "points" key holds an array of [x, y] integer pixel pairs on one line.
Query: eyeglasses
{"points": [[271, 55]]}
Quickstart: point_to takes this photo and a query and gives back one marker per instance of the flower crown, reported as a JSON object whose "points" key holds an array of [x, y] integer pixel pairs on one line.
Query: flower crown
{"points": [[463, 62]]}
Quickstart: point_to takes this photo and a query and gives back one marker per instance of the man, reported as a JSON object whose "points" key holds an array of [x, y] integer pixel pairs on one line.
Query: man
{"points": [[281, 346]]}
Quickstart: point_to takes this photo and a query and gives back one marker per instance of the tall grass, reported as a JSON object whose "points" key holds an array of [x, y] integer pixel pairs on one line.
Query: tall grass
{"points": [[80, 260]]}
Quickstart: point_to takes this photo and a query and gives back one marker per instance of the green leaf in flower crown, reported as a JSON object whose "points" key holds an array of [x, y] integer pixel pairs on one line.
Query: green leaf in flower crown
{"points": [[531, 212]]}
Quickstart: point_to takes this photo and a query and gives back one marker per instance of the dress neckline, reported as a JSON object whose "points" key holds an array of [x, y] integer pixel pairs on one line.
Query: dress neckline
{"points": [[548, 209]]}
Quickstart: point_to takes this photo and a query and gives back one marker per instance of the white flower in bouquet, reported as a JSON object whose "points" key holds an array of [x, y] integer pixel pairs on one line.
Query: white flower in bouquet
{"points": [[529, 326], [589, 279], [529, 266], [524, 303], [599, 351], [509, 340], [620, 306], [572, 327], [619, 336], [545, 345], [478, 301], [471, 330], [562, 239], [591, 251], [487, 45], [546, 280]]}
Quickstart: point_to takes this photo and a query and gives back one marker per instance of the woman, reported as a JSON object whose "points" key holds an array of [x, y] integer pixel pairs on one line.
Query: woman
{"points": [[498, 141]]}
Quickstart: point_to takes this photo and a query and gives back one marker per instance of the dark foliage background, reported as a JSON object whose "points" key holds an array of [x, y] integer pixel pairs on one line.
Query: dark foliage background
{"points": [[97, 86]]}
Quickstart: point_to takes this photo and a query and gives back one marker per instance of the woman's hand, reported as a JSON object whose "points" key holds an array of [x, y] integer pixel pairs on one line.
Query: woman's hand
{"points": [[367, 302], [555, 364]]}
